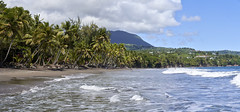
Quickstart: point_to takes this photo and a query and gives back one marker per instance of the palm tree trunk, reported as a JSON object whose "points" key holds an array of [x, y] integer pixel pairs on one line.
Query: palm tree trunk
{"points": [[104, 62], [91, 58], [33, 54], [43, 62], [58, 55], [75, 63], [49, 59], [66, 57], [37, 60], [10, 46]]}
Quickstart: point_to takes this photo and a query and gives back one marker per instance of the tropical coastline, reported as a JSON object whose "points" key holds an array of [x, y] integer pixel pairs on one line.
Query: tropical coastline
{"points": [[29, 42], [17, 80], [128, 90], [122, 55], [7, 74]]}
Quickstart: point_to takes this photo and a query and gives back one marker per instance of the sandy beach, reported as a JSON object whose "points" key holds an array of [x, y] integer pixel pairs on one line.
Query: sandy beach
{"points": [[7, 74], [17, 80]]}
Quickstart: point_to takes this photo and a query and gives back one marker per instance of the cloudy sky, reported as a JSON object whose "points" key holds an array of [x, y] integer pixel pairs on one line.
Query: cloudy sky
{"points": [[199, 24]]}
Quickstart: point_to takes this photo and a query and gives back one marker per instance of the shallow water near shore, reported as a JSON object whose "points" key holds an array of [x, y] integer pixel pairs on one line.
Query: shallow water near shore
{"points": [[153, 90]]}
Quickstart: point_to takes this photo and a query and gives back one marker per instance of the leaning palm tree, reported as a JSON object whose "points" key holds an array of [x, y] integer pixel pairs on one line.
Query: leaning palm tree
{"points": [[72, 31], [33, 39], [14, 23], [48, 43], [2, 7]]}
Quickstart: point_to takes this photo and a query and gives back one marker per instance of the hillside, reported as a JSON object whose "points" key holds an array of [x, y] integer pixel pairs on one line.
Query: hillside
{"points": [[134, 42], [222, 52], [127, 38], [181, 50]]}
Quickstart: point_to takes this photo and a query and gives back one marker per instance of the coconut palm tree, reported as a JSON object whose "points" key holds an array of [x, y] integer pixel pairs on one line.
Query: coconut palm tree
{"points": [[43, 39], [14, 23], [2, 7], [72, 31], [59, 41]]}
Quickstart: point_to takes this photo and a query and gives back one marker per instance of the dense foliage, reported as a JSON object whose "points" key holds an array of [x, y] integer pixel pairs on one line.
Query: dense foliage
{"points": [[184, 57], [27, 41]]}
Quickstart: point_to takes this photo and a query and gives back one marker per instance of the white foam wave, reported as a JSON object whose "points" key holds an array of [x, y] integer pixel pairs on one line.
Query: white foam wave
{"points": [[69, 77], [137, 98], [168, 95], [32, 90], [114, 99], [59, 79], [206, 73], [200, 72], [95, 88], [236, 80], [78, 76]]}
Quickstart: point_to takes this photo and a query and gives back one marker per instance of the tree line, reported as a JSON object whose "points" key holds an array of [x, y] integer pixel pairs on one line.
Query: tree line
{"points": [[184, 58], [27, 41]]}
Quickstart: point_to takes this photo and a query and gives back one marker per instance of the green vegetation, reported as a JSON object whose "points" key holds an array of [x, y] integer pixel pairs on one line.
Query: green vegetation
{"points": [[184, 57], [28, 42], [226, 52]]}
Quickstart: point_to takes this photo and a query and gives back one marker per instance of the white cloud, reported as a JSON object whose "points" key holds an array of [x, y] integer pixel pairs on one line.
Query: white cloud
{"points": [[191, 18], [161, 31], [138, 16], [189, 34], [185, 41], [169, 33]]}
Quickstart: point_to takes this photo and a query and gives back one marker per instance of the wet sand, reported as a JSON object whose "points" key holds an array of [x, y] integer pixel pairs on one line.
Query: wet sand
{"points": [[7, 74], [17, 80]]}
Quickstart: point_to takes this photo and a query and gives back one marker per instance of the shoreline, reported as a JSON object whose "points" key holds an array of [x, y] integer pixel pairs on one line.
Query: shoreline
{"points": [[17, 80], [8, 74]]}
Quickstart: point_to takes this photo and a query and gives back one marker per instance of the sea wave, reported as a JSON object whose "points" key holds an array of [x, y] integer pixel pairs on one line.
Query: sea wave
{"points": [[114, 99], [69, 77], [32, 90], [96, 88], [206, 73], [137, 98], [236, 81], [200, 72]]}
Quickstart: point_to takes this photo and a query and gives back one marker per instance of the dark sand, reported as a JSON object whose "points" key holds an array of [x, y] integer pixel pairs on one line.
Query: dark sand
{"points": [[17, 80], [7, 74]]}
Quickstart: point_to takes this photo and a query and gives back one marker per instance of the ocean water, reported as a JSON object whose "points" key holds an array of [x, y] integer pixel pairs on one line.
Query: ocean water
{"points": [[210, 89]]}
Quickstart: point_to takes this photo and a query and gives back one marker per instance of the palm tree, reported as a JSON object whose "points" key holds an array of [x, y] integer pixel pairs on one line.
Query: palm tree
{"points": [[14, 23], [72, 31], [48, 43], [33, 39], [2, 7], [43, 42]]}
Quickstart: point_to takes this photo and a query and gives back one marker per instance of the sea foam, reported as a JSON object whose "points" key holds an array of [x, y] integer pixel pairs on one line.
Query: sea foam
{"points": [[32, 90], [114, 99], [236, 80], [96, 88], [137, 98], [200, 72], [206, 73], [168, 95], [60, 79], [69, 77]]}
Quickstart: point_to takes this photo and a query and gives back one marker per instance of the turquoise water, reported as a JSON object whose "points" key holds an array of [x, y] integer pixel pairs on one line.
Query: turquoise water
{"points": [[154, 90]]}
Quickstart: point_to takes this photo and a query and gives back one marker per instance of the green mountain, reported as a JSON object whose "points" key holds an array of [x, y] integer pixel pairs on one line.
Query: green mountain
{"points": [[222, 52], [134, 42], [182, 50], [127, 38]]}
